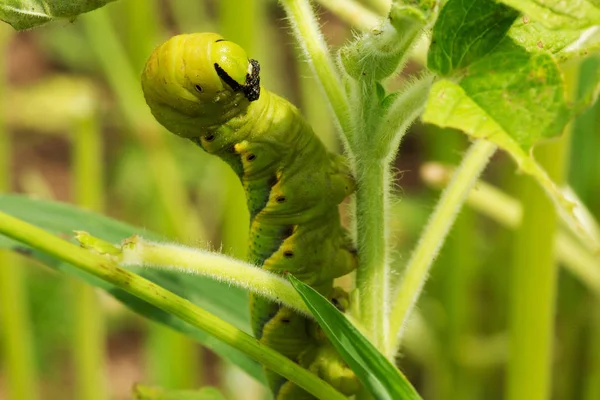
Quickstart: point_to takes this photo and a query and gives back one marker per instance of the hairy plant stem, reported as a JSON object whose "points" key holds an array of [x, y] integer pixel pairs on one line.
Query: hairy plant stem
{"points": [[372, 275], [306, 31], [109, 271], [433, 237], [136, 251]]}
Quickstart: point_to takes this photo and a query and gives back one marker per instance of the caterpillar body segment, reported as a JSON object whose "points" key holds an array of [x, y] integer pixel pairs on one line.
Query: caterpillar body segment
{"points": [[204, 88]]}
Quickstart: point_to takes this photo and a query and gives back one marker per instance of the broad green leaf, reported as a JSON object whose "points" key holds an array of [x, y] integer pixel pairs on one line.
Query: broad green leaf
{"points": [[523, 92], [533, 36], [450, 105], [560, 14], [141, 392], [26, 14], [376, 373], [465, 31], [229, 303]]}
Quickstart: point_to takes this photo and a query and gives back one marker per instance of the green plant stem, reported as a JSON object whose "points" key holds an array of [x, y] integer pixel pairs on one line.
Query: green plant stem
{"points": [[533, 285], [433, 237], [306, 31], [88, 341], [16, 340], [508, 211], [190, 16], [353, 13], [591, 383], [373, 273], [108, 271], [175, 211], [382, 7], [15, 331], [142, 28], [136, 251]]}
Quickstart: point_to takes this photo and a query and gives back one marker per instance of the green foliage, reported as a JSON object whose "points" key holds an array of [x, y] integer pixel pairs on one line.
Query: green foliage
{"points": [[377, 374], [62, 219], [26, 14], [560, 14], [142, 392], [465, 32]]}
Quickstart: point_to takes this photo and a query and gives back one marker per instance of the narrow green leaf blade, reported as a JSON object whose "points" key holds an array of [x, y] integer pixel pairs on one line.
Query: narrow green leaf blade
{"points": [[465, 31], [26, 14], [377, 374], [229, 303]]}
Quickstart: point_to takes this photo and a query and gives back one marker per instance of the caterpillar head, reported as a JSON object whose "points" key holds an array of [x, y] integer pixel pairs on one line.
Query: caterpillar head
{"points": [[199, 80]]}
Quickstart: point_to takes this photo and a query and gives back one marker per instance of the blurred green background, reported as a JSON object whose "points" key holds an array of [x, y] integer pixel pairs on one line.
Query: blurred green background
{"points": [[74, 127]]}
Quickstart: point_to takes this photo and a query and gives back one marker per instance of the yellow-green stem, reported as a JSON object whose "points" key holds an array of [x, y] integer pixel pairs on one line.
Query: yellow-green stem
{"points": [[507, 211], [372, 275], [592, 380], [306, 31], [15, 331], [88, 344], [533, 286], [175, 211], [382, 7], [108, 271], [353, 13], [433, 237]]}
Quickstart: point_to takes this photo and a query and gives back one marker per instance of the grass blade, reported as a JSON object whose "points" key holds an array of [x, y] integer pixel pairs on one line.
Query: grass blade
{"points": [[377, 374]]}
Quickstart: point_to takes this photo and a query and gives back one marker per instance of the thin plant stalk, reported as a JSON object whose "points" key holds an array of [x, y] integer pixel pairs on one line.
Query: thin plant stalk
{"points": [[142, 29], [373, 271], [534, 274], [191, 16], [175, 210], [591, 384], [353, 13], [382, 7], [17, 343], [433, 237], [242, 31], [136, 285], [15, 331], [507, 211], [306, 30], [88, 330]]}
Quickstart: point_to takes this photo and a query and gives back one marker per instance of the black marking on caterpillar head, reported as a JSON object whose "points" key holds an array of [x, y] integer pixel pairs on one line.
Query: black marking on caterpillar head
{"points": [[227, 78], [219, 40], [251, 88]]}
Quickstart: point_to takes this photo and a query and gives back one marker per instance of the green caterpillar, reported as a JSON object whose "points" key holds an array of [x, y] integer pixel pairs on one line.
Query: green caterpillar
{"points": [[204, 88]]}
